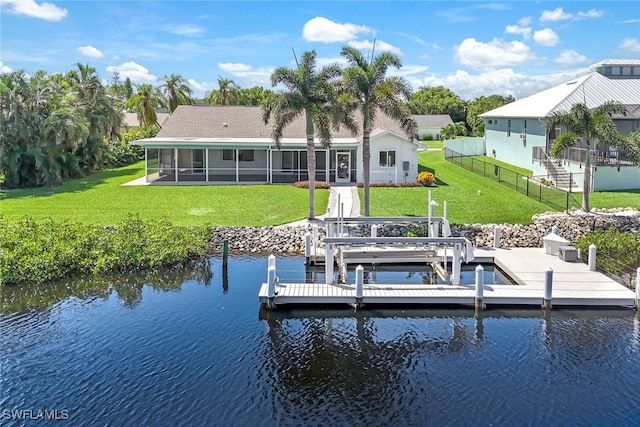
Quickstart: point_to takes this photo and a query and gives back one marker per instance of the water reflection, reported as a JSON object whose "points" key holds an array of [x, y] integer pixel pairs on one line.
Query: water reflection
{"points": [[128, 287]]}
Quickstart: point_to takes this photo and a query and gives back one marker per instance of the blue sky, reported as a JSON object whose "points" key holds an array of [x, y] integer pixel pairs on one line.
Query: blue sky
{"points": [[474, 48]]}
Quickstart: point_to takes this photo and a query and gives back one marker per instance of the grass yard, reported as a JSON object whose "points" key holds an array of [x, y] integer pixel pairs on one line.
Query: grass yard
{"points": [[100, 199], [459, 188]]}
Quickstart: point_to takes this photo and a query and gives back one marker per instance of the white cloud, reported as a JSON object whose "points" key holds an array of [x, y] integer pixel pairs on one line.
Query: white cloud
{"points": [[47, 11], [493, 82], [493, 54], [559, 14], [201, 87], [323, 30], [555, 15], [591, 13], [136, 72], [234, 67], [90, 51], [4, 68], [184, 29], [570, 57], [525, 32], [546, 37], [380, 46], [630, 45]]}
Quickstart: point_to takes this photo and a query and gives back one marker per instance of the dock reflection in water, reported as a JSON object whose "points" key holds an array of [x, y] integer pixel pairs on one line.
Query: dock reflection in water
{"points": [[200, 352]]}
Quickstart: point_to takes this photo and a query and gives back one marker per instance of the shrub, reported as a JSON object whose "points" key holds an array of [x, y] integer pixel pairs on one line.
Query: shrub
{"points": [[615, 249], [305, 184], [427, 137], [427, 179]]}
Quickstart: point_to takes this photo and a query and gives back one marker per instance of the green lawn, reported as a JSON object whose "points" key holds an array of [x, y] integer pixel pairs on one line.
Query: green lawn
{"points": [[100, 199], [459, 188]]}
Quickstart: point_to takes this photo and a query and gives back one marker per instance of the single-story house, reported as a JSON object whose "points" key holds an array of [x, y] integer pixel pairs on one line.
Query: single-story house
{"points": [[516, 133], [432, 124], [231, 144]]}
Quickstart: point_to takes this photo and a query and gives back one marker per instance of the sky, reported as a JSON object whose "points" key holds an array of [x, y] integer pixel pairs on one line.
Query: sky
{"points": [[473, 48]]}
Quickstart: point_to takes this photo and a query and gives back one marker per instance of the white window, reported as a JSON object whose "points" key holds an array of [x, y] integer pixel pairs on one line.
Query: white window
{"points": [[387, 158]]}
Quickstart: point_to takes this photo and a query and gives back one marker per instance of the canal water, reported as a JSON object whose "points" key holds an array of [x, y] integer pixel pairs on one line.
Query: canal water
{"points": [[194, 348]]}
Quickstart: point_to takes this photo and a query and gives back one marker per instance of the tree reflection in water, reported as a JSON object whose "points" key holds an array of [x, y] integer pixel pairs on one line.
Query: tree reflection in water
{"points": [[128, 287]]}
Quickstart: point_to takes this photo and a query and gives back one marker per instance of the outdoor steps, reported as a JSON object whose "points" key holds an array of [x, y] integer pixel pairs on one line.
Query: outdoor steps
{"points": [[560, 177]]}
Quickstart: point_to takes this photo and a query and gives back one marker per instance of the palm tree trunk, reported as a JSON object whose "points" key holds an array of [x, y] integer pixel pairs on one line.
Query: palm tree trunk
{"points": [[586, 184], [311, 166], [366, 169]]}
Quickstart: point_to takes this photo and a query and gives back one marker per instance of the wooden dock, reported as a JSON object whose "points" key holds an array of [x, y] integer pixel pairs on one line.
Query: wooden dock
{"points": [[573, 285]]}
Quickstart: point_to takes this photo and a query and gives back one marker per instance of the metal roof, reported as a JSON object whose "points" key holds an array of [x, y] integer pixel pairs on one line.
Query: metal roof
{"points": [[593, 89]]}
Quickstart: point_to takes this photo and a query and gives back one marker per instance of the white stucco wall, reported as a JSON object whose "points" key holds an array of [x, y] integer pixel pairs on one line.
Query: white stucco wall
{"points": [[469, 146], [512, 142], [610, 178], [405, 151]]}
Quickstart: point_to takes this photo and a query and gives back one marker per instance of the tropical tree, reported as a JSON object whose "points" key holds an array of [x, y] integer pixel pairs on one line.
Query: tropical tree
{"points": [[176, 91], [144, 103], [228, 93], [588, 127], [438, 100], [369, 90], [482, 105], [309, 93], [453, 130]]}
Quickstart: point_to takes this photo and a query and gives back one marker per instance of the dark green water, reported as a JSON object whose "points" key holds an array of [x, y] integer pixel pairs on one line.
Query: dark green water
{"points": [[194, 348]]}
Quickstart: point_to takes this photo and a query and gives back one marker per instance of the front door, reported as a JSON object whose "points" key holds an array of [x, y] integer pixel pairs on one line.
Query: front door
{"points": [[343, 166]]}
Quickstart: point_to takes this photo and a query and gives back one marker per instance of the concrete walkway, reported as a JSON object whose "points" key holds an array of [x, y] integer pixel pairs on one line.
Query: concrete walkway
{"points": [[345, 196]]}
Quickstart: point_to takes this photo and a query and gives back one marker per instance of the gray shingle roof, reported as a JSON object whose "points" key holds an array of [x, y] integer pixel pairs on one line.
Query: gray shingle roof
{"points": [[199, 121], [432, 120]]}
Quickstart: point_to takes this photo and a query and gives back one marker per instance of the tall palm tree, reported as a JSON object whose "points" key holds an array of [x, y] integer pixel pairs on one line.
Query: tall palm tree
{"points": [[588, 127], [145, 103], [308, 92], [370, 91], [228, 92], [176, 90]]}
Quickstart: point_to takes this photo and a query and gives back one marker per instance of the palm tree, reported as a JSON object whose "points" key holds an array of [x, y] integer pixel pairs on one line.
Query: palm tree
{"points": [[228, 93], [176, 90], [145, 102], [588, 126], [308, 92], [370, 90]]}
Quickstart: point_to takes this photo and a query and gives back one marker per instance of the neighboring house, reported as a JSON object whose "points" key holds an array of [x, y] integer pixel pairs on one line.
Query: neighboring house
{"points": [[432, 124], [224, 144], [516, 133], [131, 119]]}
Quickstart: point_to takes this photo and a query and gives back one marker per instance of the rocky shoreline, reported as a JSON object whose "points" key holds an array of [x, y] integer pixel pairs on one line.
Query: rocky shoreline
{"points": [[572, 226]]}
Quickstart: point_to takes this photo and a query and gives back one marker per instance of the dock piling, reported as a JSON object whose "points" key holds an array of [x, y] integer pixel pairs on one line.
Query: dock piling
{"points": [[359, 285], [271, 283], [592, 257], [638, 288], [496, 237], [456, 264], [479, 305], [374, 230], [548, 285], [307, 249], [328, 264]]}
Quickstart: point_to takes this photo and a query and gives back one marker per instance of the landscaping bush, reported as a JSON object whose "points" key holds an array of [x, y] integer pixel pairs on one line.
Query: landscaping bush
{"points": [[305, 184], [427, 179], [615, 249], [427, 137]]}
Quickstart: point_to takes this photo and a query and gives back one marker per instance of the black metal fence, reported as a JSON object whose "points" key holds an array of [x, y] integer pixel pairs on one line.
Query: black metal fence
{"points": [[555, 198]]}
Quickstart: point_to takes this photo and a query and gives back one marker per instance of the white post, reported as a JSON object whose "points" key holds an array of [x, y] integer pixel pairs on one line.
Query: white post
{"points": [[455, 265], [374, 230], [307, 248], [638, 288], [314, 251], [548, 285], [359, 282], [496, 237], [554, 229], [479, 287], [433, 231], [271, 284], [328, 264], [271, 261], [592, 257], [429, 215], [146, 166], [444, 212], [206, 164], [176, 163]]}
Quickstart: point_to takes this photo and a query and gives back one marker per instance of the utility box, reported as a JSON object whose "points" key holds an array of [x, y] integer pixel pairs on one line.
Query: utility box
{"points": [[553, 242], [568, 253]]}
